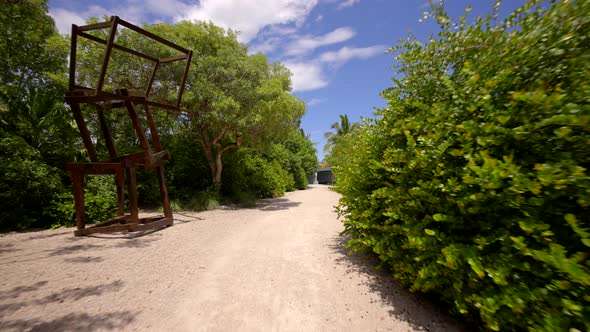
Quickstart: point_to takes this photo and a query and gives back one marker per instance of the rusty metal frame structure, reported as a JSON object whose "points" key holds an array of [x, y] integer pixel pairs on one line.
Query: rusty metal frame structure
{"points": [[122, 167]]}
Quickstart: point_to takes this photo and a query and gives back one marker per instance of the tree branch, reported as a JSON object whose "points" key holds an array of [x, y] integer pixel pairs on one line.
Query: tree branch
{"points": [[233, 145], [219, 137]]}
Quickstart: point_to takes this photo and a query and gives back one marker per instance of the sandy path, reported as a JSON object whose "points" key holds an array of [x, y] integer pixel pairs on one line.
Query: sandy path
{"points": [[279, 267]]}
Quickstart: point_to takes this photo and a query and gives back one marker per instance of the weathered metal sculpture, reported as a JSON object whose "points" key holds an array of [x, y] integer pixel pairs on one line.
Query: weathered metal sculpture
{"points": [[122, 167]]}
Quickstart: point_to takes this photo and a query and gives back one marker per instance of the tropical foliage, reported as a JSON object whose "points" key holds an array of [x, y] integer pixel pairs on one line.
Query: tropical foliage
{"points": [[36, 132], [233, 101], [472, 184], [341, 129]]}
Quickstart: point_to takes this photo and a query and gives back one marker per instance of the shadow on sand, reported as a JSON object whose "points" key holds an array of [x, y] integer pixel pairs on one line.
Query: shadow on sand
{"points": [[113, 321], [413, 308], [7, 247], [12, 301], [78, 250], [275, 204]]}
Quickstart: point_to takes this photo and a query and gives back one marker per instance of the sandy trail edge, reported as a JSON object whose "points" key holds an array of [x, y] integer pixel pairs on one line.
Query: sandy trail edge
{"points": [[278, 267]]}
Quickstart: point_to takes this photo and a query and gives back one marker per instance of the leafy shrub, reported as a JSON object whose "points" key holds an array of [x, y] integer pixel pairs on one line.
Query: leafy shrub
{"points": [[299, 177], [100, 203], [245, 171], [187, 170], [289, 161], [26, 186], [148, 188], [303, 159], [473, 182]]}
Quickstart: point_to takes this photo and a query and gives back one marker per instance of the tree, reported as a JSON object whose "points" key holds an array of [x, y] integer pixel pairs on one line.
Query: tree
{"points": [[36, 132], [297, 155], [231, 98], [342, 129], [31, 76], [27, 47]]}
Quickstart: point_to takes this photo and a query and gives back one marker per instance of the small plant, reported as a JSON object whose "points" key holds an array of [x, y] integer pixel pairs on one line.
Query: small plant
{"points": [[202, 201]]}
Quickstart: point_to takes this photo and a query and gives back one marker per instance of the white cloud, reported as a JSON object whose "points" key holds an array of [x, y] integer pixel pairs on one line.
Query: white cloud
{"points": [[307, 44], [131, 13], [267, 46], [348, 53], [167, 8], [347, 3], [249, 16], [280, 30], [314, 101], [134, 11], [268, 26], [64, 19], [306, 75]]}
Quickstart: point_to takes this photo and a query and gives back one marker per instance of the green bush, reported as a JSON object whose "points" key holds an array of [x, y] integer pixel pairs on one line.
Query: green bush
{"points": [[303, 159], [472, 183], [246, 171], [299, 177], [100, 203], [26, 186], [187, 171]]}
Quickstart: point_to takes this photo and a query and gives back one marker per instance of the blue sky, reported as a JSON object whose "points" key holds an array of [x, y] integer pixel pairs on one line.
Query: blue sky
{"points": [[334, 48]]}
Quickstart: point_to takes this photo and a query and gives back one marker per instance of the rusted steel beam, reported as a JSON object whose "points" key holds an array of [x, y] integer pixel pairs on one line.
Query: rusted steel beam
{"points": [[96, 26], [132, 192], [103, 229], [166, 221], [147, 220], [118, 47], [78, 90], [84, 131], [120, 180], [73, 49], [183, 82], [106, 132], [134, 157], [164, 192], [78, 186], [107, 55], [151, 80], [174, 58], [105, 96], [153, 129], [137, 125], [94, 168], [123, 223], [151, 35]]}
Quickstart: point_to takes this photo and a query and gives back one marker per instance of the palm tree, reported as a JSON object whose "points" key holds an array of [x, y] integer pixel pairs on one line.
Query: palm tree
{"points": [[342, 128]]}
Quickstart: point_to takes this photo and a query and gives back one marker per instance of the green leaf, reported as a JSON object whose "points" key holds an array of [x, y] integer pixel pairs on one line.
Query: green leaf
{"points": [[476, 266], [439, 217]]}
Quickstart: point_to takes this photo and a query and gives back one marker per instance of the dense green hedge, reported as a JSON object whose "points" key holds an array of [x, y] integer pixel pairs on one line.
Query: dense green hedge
{"points": [[26, 186], [247, 172], [473, 182]]}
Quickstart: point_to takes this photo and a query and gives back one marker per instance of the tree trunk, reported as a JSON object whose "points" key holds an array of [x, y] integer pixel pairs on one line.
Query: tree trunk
{"points": [[215, 165], [217, 171], [214, 152]]}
